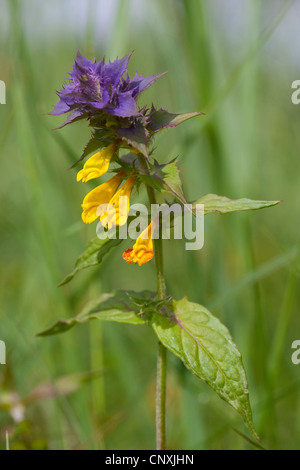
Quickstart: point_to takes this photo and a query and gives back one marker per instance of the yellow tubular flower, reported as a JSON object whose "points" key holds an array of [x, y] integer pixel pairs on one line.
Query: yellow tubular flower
{"points": [[98, 164], [117, 212], [98, 196], [142, 250]]}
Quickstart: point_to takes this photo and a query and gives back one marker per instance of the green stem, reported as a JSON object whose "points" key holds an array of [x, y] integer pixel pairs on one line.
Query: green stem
{"points": [[161, 377], [161, 397]]}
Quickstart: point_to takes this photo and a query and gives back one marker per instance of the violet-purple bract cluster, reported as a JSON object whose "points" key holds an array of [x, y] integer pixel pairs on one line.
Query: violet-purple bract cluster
{"points": [[97, 86], [106, 96]]}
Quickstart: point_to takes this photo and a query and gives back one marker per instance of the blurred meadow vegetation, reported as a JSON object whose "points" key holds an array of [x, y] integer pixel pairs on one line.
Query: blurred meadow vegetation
{"points": [[94, 387]]}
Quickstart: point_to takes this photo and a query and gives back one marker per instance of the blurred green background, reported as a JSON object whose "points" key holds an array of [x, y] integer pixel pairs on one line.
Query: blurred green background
{"points": [[235, 60]]}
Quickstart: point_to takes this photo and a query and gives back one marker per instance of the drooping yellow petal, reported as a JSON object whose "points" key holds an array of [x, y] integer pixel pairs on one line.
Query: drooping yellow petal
{"points": [[142, 250], [98, 196], [98, 164], [117, 212]]}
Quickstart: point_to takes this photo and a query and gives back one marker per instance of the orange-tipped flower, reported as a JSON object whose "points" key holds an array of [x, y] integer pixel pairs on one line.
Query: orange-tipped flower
{"points": [[142, 250], [98, 164], [99, 196], [118, 208]]}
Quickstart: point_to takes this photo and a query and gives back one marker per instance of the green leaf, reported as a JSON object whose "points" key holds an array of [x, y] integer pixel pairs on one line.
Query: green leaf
{"points": [[172, 182], [205, 346], [100, 138], [94, 145], [224, 205], [92, 256], [121, 307], [162, 119]]}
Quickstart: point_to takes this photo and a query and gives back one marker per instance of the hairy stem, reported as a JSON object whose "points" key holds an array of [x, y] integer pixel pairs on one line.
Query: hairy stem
{"points": [[162, 352], [161, 377]]}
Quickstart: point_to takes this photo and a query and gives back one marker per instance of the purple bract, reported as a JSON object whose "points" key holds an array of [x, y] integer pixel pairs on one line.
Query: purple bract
{"points": [[95, 87]]}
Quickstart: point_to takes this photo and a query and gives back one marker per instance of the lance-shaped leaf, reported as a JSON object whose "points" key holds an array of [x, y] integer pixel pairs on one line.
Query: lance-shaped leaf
{"points": [[205, 346], [224, 205], [172, 181], [121, 307], [93, 145], [92, 256], [162, 119], [100, 138]]}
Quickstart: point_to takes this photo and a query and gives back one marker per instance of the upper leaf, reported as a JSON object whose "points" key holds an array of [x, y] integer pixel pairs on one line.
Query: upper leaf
{"points": [[172, 181], [100, 138], [93, 255], [224, 205], [205, 346], [165, 178]]}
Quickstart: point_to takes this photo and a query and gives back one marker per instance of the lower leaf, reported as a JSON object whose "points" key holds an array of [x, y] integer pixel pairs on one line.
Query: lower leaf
{"points": [[121, 307], [205, 346]]}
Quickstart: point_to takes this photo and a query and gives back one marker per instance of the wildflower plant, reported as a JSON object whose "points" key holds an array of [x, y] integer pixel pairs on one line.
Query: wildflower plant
{"points": [[121, 141]]}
